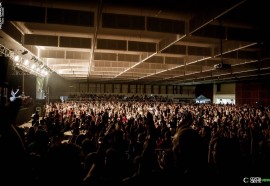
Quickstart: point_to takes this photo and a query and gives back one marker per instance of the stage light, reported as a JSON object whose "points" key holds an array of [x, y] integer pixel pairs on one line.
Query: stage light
{"points": [[34, 59], [26, 62], [33, 66], [16, 58], [24, 52]]}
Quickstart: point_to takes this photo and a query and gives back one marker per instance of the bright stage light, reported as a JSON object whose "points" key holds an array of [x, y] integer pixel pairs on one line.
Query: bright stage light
{"points": [[16, 58], [26, 62], [33, 66]]}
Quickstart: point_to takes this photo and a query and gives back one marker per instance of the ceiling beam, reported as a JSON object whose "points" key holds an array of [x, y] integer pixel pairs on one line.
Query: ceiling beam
{"points": [[94, 40]]}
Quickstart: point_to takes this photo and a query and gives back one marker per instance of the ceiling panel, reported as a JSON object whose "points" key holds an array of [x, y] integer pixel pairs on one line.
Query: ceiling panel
{"points": [[108, 41]]}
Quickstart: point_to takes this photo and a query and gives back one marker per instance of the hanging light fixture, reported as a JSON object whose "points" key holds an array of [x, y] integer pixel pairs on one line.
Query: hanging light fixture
{"points": [[17, 58], [24, 52]]}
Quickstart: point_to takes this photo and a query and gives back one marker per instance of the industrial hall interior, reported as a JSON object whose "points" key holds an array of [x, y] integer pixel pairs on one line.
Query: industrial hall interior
{"points": [[128, 92]]}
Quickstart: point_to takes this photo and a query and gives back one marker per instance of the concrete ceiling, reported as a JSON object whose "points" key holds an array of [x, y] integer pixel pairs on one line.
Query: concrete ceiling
{"points": [[161, 42]]}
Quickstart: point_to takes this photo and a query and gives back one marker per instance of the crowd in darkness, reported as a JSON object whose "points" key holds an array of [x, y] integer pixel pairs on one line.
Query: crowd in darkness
{"points": [[115, 141]]}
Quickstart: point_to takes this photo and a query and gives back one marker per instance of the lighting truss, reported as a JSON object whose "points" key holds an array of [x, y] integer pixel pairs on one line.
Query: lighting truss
{"points": [[33, 66]]}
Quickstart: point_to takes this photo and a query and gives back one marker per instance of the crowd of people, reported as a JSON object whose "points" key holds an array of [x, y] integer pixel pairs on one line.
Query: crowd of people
{"points": [[107, 97], [124, 142]]}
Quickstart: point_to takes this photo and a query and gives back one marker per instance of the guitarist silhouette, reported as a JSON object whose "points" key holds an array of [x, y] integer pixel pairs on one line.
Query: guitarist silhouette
{"points": [[13, 95]]}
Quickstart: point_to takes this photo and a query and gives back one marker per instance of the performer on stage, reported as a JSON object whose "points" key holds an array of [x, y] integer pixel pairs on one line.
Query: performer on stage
{"points": [[13, 95]]}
